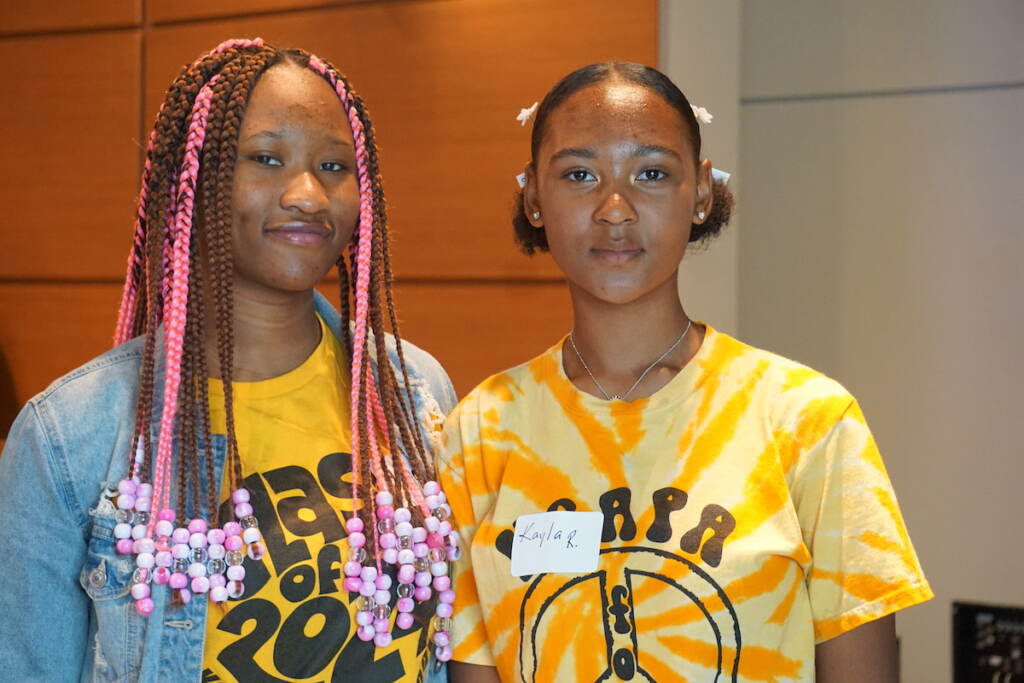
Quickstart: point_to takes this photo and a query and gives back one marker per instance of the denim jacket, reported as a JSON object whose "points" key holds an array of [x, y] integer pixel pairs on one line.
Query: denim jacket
{"points": [[65, 609]]}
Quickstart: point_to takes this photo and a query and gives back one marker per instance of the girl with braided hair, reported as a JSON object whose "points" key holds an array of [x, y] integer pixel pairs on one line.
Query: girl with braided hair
{"points": [[242, 488]]}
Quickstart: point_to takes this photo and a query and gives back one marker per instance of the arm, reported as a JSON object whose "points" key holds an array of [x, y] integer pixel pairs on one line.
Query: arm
{"points": [[40, 597], [460, 672], [867, 653]]}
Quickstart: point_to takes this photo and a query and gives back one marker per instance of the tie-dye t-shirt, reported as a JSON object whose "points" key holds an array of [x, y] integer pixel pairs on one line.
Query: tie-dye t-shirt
{"points": [[747, 517]]}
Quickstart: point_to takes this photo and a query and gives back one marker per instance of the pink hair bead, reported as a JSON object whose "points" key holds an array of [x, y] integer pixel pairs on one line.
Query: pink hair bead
{"points": [[256, 551], [364, 618], [443, 654], [368, 573], [140, 590], [356, 539], [384, 498], [442, 583], [251, 535], [352, 568], [185, 595], [444, 528], [420, 550], [366, 633], [239, 496], [382, 639], [385, 512], [423, 593], [200, 584], [216, 536], [353, 584], [404, 621], [180, 535], [179, 551], [432, 523], [403, 529], [163, 559], [164, 528], [381, 597], [236, 572], [122, 530], [144, 606], [233, 543], [146, 545], [442, 639], [142, 504], [216, 551], [197, 570], [454, 553], [126, 487], [243, 510], [197, 526], [439, 568], [422, 579], [144, 491], [219, 594], [165, 515], [383, 583], [217, 581], [406, 573], [236, 589], [402, 515], [353, 525], [197, 540], [161, 575], [381, 625], [367, 589], [390, 555], [139, 531], [405, 604], [406, 558], [435, 540], [443, 609], [431, 488], [145, 560], [388, 541], [432, 501], [232, 529], [419, 534], [177, 580]]}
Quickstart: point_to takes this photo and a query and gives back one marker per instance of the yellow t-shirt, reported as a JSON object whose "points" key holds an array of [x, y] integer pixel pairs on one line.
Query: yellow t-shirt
{"points": [[296, 621], [747, 517]]}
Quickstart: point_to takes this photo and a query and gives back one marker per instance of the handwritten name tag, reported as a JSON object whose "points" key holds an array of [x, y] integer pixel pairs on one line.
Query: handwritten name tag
{"points": [[559, 542]]}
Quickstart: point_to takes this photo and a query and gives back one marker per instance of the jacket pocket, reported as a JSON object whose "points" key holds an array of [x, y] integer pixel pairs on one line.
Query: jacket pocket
{"points": [[116, 630]]}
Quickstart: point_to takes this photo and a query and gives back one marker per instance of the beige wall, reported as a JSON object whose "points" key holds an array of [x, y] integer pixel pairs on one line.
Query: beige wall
{"points": [[882, 243]]}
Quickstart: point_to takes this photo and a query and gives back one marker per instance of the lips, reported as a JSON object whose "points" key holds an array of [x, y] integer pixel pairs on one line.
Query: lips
{"points": [[616, 256], [300, 232]]}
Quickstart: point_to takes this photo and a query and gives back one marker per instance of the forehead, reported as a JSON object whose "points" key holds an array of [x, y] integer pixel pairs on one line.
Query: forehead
{"points": [[289, 96], [610, 112]]}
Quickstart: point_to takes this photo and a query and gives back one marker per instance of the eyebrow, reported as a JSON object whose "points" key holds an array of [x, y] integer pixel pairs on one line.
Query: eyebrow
{"points": [[637, 151], [278, 135]]}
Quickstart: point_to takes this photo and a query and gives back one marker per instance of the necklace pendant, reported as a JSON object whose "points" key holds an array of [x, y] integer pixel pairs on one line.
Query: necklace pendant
{"points": [[617, 397]]}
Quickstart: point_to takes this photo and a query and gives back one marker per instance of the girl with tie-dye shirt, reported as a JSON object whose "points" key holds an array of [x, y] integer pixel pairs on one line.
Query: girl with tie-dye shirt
{"points": [[746, 527]]}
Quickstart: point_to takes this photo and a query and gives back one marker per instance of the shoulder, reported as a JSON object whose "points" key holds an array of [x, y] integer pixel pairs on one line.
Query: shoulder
{"points": [[787, 390], [512, 390], [108, 379], [424, 371]]}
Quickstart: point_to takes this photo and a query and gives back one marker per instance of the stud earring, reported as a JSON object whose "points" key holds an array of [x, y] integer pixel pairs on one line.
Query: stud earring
{"points": [[536, 215], [700, 215]]}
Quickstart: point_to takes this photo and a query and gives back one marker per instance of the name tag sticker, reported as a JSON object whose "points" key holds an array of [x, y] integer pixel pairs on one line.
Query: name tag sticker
{"points": [[560, 542]]}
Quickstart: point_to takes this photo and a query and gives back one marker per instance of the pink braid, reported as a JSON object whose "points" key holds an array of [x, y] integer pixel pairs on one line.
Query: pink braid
{"points": [[129, 299], [175, 317]]}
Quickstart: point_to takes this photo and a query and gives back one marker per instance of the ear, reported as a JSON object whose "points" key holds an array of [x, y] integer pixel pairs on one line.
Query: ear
{"points": [[531, 205], [705, 196]]}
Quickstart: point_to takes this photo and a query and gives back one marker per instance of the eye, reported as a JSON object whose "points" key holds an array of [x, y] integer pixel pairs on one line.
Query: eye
{"points": [[578, 175], [333, 166], [266, 160], [652, 174]]}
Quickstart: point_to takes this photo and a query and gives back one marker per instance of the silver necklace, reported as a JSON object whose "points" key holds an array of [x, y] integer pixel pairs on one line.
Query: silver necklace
{"points": [[622, 397]]}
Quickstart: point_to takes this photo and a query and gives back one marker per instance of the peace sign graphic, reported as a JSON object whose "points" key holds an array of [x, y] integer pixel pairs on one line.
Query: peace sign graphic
{"points": [[660, 615]]}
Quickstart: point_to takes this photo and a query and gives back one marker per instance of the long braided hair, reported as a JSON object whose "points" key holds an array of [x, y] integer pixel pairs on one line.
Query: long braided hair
{"points": [[189, 172]]}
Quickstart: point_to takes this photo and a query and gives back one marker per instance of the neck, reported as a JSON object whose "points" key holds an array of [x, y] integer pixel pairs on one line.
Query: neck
{"points": [[619, 342], [274, 332]]}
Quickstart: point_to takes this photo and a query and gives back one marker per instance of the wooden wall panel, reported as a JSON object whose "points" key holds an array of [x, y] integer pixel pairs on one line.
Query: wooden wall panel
{"points": [[444, 81], [55, 15], [161, 11], [47, 330], [71, 160]]}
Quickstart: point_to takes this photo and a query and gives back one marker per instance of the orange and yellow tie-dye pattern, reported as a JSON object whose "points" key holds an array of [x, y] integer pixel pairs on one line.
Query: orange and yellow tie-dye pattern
{"points": [[747, 517]]}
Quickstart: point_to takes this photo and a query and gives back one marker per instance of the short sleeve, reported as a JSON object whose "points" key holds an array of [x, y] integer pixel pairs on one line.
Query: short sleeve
{"points": [[469, 634], [863, 564]]}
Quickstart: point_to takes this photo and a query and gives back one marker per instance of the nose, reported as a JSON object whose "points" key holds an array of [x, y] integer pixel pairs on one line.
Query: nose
{"points": [[615, 209], [304, 192]]}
